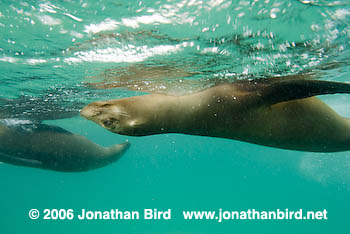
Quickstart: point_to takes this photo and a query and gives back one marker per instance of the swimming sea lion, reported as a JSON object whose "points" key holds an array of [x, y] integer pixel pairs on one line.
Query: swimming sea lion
{"points": [[53, 148], [274, 112]]}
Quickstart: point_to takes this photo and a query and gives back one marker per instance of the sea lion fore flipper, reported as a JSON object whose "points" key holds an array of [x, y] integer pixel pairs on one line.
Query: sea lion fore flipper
{"points": [[19, 161], [287, 90]]}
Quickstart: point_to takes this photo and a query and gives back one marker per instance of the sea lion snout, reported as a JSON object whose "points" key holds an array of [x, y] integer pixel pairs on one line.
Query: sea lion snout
{"points": [[91, 110], [113, 117]]}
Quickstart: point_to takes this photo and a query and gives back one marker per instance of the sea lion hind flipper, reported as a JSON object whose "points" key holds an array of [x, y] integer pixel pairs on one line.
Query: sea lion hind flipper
{"points": [[287, 90]]}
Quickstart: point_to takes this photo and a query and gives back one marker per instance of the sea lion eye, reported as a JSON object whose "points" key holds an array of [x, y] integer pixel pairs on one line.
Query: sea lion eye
{"points": [[109, 122]]}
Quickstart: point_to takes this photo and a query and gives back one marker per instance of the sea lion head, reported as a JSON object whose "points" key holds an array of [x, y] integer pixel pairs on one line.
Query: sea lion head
{"points": [[112, 115]]}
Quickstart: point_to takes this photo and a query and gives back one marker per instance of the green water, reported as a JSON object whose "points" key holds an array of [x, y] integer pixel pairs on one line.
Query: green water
{"points": [[55, 47]]}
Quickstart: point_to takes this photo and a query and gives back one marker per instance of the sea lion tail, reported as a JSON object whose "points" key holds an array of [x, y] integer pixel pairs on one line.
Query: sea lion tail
{"points": [[287, 90]]}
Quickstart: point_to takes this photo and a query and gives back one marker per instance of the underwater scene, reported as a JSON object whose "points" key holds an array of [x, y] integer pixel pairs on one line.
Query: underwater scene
{"points": [[175, 116]]}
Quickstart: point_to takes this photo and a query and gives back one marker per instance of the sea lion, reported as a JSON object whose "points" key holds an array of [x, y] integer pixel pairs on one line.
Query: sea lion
{"points": [[49, 147], [272, 112]]}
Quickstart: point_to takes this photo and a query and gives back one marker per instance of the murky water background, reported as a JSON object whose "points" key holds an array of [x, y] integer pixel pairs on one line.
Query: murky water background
{"points": [[51, 52]]}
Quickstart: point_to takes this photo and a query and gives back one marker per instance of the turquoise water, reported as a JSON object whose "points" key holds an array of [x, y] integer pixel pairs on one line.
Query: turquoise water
{"points": [[51, 50]]}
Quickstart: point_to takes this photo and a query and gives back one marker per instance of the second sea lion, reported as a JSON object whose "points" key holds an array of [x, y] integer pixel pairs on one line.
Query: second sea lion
{"points": [[52, 148]]}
